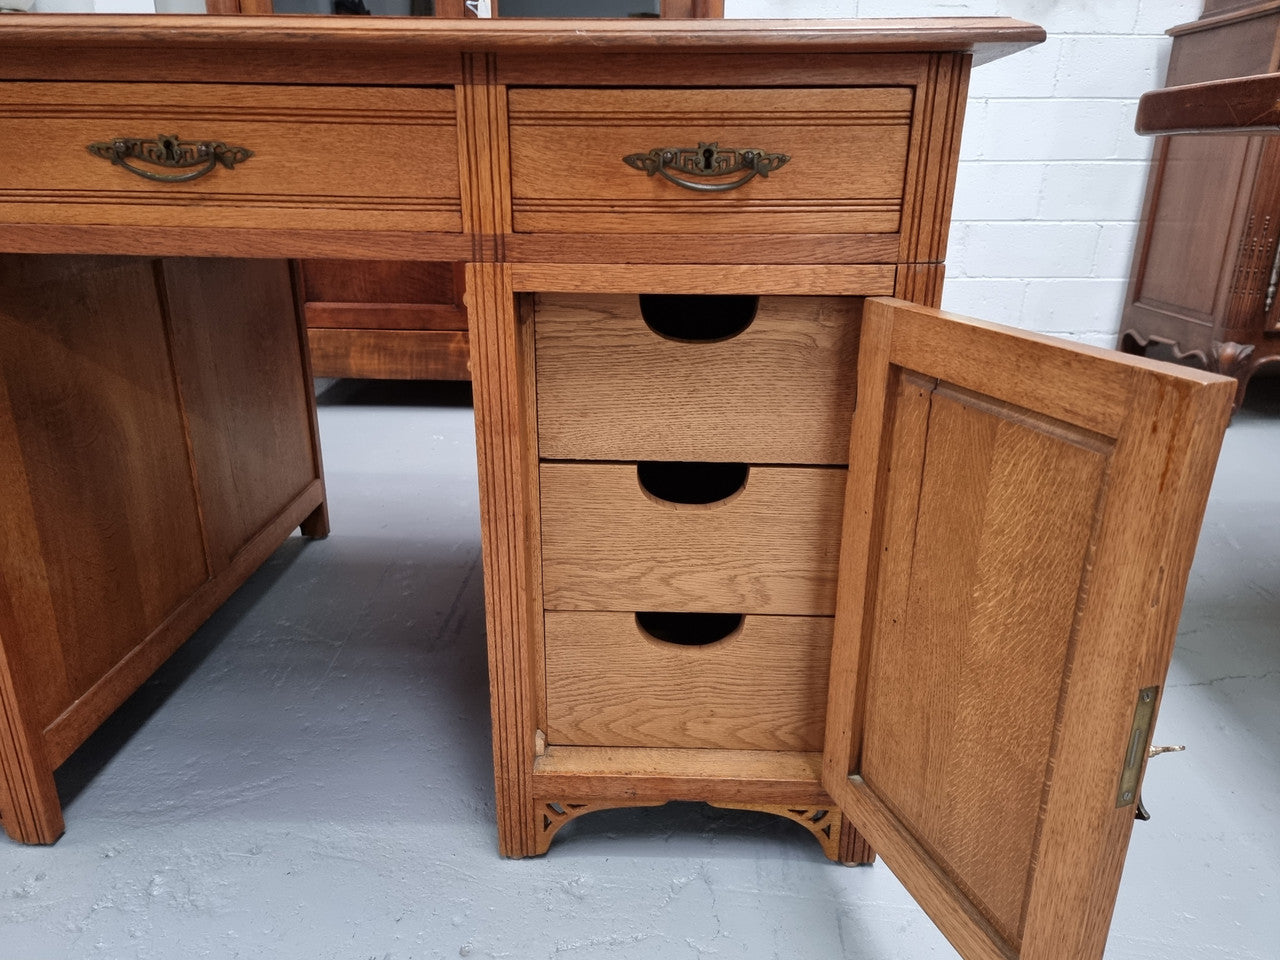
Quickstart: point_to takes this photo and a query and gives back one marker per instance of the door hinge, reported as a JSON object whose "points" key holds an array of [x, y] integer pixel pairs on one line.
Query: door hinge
{"points": [[1136, 748]]}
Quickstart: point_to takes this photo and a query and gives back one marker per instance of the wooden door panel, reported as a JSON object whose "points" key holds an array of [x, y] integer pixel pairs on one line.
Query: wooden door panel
{"points": [[964, 647], [88, 390], [238, 358], [1016, 547]]}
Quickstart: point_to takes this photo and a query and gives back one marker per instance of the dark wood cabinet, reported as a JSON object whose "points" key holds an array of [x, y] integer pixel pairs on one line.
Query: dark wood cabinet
{"points": [[1205, 271]]}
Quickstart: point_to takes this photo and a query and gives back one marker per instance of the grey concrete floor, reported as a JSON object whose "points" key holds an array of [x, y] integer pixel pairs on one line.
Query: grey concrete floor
{"points": [[309, 777]]}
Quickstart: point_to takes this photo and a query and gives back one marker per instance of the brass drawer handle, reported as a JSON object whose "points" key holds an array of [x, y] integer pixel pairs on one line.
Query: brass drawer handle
{"points": [[706, 160], [169, 152]]}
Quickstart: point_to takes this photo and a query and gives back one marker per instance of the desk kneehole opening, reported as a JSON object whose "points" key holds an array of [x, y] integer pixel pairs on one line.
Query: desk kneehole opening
{"points": [[689, 629], [691, 481], [698, 318]]}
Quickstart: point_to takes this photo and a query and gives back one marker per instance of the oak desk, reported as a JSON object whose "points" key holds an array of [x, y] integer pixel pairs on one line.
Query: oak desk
{"points": [[942, 623]]}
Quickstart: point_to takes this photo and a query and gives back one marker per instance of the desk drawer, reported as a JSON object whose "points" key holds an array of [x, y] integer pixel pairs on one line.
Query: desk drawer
{"points": [[321, 157], [681, 378], [845, 171], [765, 539], [610, 682]]}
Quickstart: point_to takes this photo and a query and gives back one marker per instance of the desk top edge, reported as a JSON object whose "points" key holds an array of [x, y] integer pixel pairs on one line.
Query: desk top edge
{"points": [[987, 38]]}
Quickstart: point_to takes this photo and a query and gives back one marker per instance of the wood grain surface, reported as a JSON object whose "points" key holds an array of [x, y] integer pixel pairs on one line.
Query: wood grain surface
{"points": [[237, 355], [390, 354], [607, 544], [568, 175], [379, 281], [716, 68], [385, 316], [1199, 178], [30, 236], [665, 773], [370, 38], [357, 304], [699, 249], [1236, 105], [856, 279], [30, 672], [1016, 554], [933, 159], [611, 684], [965, 645], [506, 463], [358, 157], [89, 390], [609, 388]]}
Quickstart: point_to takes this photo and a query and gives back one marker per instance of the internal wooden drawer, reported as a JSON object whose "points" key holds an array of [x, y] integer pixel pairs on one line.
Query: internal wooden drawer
{"points": [[612, 682], [844, 171], [385, 319], [276, 156], [766, 539], [766, 380]]}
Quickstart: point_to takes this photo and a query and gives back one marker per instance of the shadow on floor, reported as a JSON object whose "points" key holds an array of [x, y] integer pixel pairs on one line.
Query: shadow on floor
{"points": [[1262, 396], [89, 759]]}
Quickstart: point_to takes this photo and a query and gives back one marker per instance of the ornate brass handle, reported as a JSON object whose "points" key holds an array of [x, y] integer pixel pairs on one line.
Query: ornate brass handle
{"points": [[197, 158], [706, 160]]}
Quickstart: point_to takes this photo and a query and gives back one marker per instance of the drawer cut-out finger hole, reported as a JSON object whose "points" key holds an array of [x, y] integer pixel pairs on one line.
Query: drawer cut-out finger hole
{"points": [[683, 481], [698, 318], [689, 629]]}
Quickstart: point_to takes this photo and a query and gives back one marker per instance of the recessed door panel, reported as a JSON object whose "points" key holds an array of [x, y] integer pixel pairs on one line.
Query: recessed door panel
{"points": [[1015, 553]]}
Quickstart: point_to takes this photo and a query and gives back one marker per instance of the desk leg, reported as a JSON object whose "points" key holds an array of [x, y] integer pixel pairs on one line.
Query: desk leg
{"points": [[29, 802], [29, 805], [507, 512], [316, 524]]}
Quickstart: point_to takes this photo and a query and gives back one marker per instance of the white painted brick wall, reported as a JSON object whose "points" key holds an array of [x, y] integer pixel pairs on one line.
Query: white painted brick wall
{"points": [[97, 6], [1051, 174]]}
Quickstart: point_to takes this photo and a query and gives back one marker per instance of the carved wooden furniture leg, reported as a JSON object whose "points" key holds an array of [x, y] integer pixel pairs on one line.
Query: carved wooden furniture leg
{"points": [[1131, 342], [1233, 360]]}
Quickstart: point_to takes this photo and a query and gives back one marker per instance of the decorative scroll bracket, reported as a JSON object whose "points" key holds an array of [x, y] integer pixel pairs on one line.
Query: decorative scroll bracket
{"points": [[706, 160], [167, 151], [551, 815], [824, 823]]}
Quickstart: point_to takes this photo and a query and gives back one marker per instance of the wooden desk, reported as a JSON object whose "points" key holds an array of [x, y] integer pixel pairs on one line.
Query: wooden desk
{"points": [[947, 617]]}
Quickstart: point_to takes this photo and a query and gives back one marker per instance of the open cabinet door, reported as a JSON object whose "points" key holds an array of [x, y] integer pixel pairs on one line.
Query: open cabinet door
{"points": [[1020, 519]]}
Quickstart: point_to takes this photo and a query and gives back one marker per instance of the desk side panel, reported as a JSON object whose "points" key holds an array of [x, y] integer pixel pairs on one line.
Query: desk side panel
{"points": [[238, 359], [157, 444], [84, 356]]}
